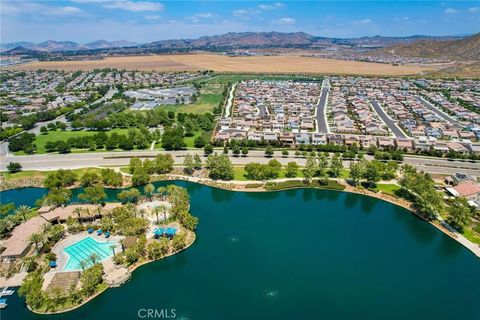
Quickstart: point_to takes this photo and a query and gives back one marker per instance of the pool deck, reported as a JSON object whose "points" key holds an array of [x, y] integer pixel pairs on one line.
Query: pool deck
{"points": [[112, 273], [63, 257]]}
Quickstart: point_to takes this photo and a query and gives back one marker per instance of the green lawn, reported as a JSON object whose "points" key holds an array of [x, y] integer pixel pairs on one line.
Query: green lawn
{"points": [[42, 174], [471, 235], [42, 139], [210, 96], [387, 188], [239, 173]]}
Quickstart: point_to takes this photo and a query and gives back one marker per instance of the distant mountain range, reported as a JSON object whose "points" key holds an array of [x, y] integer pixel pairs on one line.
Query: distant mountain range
{"points": [[51, 45], [451, 47], [273, 39], [467, 48]]}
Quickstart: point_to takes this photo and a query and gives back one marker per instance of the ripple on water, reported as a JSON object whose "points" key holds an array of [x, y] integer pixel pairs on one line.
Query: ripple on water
{"points": [[234, 238], [271, 294]]}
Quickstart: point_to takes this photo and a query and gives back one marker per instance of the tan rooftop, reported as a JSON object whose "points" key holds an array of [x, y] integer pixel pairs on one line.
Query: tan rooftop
{"points": [[467, 188]]}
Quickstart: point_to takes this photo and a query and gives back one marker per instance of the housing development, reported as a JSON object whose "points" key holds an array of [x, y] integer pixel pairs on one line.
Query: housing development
{"points": [[231, 160], [409, 114]]}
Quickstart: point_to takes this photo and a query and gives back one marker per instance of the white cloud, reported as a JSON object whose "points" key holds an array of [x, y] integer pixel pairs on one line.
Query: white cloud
{"points": [[201, 16], [38, 9], [273, 6], [286, 21], [90, 1], [450, 11], [240, 12], [134, 6], [362, 22], [474, 9], [152, 17]]}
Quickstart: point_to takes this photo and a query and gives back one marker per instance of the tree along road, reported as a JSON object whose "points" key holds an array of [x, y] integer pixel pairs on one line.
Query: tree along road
{"points": [[437, 111], [122, 158], [392, 125], [322, 126], [36, 129]]}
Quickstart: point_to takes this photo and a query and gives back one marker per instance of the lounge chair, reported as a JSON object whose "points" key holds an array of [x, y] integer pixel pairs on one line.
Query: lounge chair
{"points": [[53, 264], [99, 232], [107, 234], [90, 230]]}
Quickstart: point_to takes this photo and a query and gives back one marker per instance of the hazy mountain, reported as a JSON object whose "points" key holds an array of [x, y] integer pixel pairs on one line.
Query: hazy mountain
{"points": [[278, 39], [417, 45], [104, 44], [467, 48], [52, 45]]}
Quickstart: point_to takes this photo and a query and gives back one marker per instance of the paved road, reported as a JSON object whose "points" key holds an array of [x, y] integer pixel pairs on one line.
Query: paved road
{"points": [[392, 125], [262, 109], [122, 158], [437, 111], [36, 130], [322, 126]]}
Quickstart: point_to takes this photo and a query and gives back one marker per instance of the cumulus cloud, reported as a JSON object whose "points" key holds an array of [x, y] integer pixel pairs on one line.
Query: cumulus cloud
{"points": [[272, 6], [39, 9], [362, 21], [201, 16], [286, 20], [450, 11], [134, 6], [240, 12]]}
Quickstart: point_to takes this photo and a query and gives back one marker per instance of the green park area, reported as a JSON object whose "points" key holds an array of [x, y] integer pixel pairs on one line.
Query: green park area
{"points": [[210, 96], [41, 140]]}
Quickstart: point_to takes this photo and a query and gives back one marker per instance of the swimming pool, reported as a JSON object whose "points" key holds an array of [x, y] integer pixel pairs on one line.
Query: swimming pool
{"points": [[82, 251]]}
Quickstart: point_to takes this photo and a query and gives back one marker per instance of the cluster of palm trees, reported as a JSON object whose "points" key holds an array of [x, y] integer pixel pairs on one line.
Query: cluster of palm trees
{"points": [[86, 213], [48, 232]]}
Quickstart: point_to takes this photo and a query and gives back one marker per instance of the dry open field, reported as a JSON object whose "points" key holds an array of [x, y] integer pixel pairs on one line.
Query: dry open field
{"points": [[205, 61]]}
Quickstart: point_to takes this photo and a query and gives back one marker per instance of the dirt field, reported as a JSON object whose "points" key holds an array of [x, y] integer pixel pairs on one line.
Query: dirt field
{"points": [[205, 61]]}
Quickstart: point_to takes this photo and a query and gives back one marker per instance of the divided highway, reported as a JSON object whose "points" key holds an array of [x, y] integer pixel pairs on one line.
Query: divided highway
{"points": [[392, 125], [122, 158]]}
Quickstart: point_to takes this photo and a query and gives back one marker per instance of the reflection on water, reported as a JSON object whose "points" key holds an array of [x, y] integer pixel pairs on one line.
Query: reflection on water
{"points": [[350, 200], [275, 256]]}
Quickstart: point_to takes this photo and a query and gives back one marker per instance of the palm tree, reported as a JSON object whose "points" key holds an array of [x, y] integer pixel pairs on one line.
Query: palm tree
{"points": [[162, 191], [142, 212], [164, 210], [99, 210], [113, 246], [87, 213], [46, 227], [122, 243], [83, 264], [156, 211], [78, 211], [23, 210], [36, 238], [149, 190], [94, 257]]}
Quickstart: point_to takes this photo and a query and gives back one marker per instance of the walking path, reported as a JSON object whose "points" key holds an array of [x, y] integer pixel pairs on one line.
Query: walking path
{"points": [[229, 105]]}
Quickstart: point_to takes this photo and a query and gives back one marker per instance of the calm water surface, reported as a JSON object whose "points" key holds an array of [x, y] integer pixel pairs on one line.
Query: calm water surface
{"points": [[302, 254]]}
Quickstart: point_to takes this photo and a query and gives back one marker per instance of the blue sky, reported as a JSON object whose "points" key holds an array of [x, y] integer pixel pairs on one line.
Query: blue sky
{"points": [[145, 21]]}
